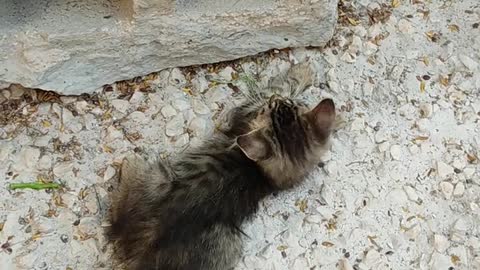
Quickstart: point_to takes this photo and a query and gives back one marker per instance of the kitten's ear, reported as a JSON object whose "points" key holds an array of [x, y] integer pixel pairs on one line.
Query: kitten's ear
{"points": [[254, 145], [322, 117]]}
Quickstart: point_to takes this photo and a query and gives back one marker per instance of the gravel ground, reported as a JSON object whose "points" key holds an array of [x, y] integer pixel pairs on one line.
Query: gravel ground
{"points": [[400, 188]]}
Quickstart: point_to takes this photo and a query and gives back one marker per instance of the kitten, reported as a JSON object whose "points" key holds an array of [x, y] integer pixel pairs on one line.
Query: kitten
{"points": [[187, 215]]}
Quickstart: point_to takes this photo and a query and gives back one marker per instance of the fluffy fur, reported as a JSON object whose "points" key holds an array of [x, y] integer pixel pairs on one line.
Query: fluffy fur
{"points": [[187, 215]]}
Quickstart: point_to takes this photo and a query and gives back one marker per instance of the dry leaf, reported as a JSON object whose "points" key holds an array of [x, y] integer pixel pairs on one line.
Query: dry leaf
{"points": [[353, 21], [444, 80], [432, 36], [471, 158], [453, 28], [188, 91], [302, 205], [108, 149], [46, 124], [327, 244], [455, 259], [422, 86], [395, 3], [426, 61], [282, 248]]}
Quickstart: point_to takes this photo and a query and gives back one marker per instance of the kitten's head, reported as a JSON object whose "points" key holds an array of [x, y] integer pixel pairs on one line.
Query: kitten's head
{"points": [[287, 139]]}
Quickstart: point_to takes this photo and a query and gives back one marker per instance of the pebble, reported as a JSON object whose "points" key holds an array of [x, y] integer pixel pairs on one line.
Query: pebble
{"points": [[447, 189], [468, 62], [372, 259], [396, 152], [439, 261], [405, 26], [440, 243], [181, 104], [443, 169], [426, 110], [45, 163], [459, 189], [81, 107], [136, 97], [174, 127], [411, 193], [28, 157], [199, 107], [316, 219], [226, 73], [120, 105], [459, 230], [61, 168], [177, 78], [16, 91], [200, 84], [138, 117], [168, 111], [334, 86], [109, 173], [344, 264], [357, 124], [89, 225], [182, 140], [198, 126]]}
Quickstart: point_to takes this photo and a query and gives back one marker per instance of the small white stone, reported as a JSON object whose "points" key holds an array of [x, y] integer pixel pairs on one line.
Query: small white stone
{"points": [[300, 263], [426, 110], [168, 111], [334, 86], [468, 62], [16, 91], [440, 243], [60, 169], [459, 230], [199, 107], [372, 259], [348, 57], [443, 169], [459, 163], [181, 104], [113, 134], [396, 152], [331, 168], [411, 193], [381, 136], [136, 97], [198, 126], [109, 173], [120, 105], [28, 158], [138, 117], [447, 189], [344, 264], [177, 78], [405, 26], [200, 84], [175, 126], [226, 73], [383, 147], [45, 162], [89, 225], [81, 107], [439, 261], [182, 140], [459, 189], [316, 219], [357, 124], [469, 172]]}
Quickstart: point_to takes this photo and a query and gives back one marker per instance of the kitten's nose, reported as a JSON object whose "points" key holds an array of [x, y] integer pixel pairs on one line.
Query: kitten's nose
{"points": [[275, 97]]}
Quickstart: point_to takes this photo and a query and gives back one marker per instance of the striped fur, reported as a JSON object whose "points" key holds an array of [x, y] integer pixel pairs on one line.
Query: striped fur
{"points": [[187, 214]]}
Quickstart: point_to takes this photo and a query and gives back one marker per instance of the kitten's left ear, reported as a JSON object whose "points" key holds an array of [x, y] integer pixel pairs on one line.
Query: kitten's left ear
{"points": [[322, 117], [254, 145]]}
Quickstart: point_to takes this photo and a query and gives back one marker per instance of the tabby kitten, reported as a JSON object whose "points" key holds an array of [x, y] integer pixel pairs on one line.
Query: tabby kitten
{"points": [[187, 215]]}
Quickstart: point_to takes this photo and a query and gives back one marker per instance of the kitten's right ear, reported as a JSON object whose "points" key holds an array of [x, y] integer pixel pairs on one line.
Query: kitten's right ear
{"points": [[322, 117], [254, 145]]}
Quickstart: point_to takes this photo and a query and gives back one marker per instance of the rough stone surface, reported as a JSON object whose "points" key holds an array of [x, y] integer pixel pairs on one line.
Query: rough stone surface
{"points": [[75, 48], [363, 208]]}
